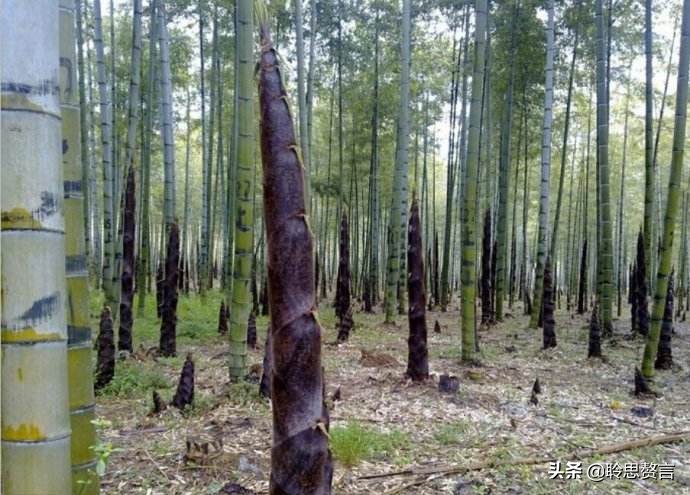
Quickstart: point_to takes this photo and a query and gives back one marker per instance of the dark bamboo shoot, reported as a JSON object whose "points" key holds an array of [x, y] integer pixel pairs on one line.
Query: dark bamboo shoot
{"points": [[418, 355], [105, 367], [124, 342], [664, 357], [167, 346], [301, 462]]}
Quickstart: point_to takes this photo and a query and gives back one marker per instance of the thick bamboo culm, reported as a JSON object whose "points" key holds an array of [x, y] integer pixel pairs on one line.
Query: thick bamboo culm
{"points": [[85, 481], [241, 298], [35, 410]]}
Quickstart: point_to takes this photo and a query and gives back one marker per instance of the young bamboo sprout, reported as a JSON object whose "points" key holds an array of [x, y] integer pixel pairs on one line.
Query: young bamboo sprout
{"points": [[418, 356], [300, 459], [184, 396], [167, 344], [485, 289], [342, 303], [641, 304], [160, 283], [159, 404], [265, 383], [642, 387], [549, 332], [664, 358], [632, 296], [223, 319], [105, 368], [594, 334], [251, 331], [124, 342]]}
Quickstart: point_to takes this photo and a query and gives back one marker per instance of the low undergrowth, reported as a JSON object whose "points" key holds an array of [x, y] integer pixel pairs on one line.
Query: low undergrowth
{"points": [[132, 379], [352, 443]]}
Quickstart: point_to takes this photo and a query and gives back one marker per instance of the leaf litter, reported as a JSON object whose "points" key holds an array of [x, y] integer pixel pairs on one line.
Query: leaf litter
{"points": [[224, 439]]}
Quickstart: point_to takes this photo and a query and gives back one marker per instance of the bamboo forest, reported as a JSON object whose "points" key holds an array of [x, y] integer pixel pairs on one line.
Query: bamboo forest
{"points": [[314, 247]]}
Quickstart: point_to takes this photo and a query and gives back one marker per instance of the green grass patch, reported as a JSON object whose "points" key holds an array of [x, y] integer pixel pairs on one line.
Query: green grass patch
{"points": [[352, 443], [245, 393], [452, 434], [488, 353], [131, 379], [453, 352], [197, 318], [202, 404], [326, 315]]}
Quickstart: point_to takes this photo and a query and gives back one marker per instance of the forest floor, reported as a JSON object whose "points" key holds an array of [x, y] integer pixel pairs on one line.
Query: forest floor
{"points": [[384, 423]]}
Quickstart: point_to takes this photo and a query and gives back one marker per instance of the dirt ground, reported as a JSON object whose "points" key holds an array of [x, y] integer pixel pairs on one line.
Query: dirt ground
{"points": [[584, 405]]}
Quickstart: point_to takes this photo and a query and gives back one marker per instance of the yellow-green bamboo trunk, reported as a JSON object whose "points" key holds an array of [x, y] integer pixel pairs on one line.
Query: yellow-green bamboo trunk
{"points": [[469, 218], [648, 144], [108, 172], [397, 221], [547, 134], [674, 196], [166, 108], [244, 192], [80, 378], [35, 411], [605, 243]]}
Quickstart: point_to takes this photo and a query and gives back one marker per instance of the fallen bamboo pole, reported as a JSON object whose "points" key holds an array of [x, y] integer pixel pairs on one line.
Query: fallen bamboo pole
{"points": [[478, 466]]}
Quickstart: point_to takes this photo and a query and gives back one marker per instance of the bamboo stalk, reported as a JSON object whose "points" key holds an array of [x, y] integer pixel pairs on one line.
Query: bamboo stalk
{"points": [[35, 395], [80, 379]]}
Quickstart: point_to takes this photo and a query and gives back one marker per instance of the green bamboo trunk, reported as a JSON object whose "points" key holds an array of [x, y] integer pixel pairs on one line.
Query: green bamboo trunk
{"points": [[203, 266], [655, 213], [525, 211], [83, 130], [547, 133], [184, 258], [244, 191], [397, 220], [166, 120], [504, 180], [307, 151], [134, 84], [571, 237], [621, 203], [648, 143], [35, 395], [210, 190], [144, 264], [674, 197], [95, 220], [215, 116], [108, 172], [450, 169], [231, 193], [605, 248], [114, 148], [340, 129], [80, 378], [302, 101], [564, 152], [372, 284], [454, 169], [512, 285], [469, 221]]}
